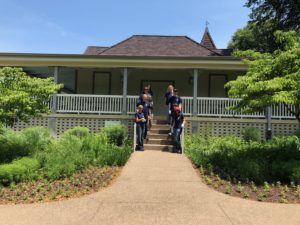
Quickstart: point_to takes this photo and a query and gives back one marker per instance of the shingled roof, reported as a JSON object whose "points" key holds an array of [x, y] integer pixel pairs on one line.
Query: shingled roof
{"points": [[161, 45], [94, 50], [207, 40], [155, 45]]}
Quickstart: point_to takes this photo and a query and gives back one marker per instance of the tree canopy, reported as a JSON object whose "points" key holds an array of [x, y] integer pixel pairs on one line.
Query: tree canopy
{"points": [[266, 17], [272, 78], [22, 96]]}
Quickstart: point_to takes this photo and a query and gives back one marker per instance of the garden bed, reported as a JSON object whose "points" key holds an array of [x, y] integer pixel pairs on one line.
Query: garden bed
{"points": [[86, 181], [274, 192]]}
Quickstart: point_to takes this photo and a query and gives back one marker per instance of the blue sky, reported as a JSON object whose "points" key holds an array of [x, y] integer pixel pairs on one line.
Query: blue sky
{"points": [[60, 26]]}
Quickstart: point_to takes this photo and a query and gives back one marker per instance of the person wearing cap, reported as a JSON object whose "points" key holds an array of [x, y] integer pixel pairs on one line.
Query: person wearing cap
{"points": [[140, 128], [178, 124]]}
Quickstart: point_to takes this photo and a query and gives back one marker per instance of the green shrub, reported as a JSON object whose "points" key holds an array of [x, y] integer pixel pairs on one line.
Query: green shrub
{"points": [[112, 155], [251, 134], [276, 159], [36, 138], [116, 134], [19, 170], [12, 146], [80, 132], [64, 157]]}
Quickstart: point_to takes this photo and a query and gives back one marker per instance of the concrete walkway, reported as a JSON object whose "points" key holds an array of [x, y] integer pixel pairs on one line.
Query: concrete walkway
{"points": [[154, 188]]}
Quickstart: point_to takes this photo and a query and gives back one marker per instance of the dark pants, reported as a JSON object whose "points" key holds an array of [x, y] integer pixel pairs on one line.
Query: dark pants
{"points": [[146, 127], [177, 134], [140, 131]]}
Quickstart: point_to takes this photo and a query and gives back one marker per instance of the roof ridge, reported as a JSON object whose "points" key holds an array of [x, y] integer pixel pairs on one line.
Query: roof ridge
{"points": [[202, 45], [116, 44], [156, 35]]}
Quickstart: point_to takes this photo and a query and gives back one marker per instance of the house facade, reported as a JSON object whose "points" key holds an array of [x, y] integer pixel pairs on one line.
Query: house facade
{"points": [[103, 83]]}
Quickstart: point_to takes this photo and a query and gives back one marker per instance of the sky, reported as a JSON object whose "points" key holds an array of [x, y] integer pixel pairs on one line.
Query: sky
{"points": [[60, 26]]}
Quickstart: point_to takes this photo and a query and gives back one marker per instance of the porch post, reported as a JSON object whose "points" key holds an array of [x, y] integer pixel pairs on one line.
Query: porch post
{"points": [[269, 122], [52, 119], [195, 92], [125, 78], [54, 98]]}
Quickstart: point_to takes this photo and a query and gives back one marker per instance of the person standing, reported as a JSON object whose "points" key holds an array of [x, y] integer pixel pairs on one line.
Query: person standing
{"points": [[147, 110], [178, 124], [175, 101], [168, 96], [140, 128]]}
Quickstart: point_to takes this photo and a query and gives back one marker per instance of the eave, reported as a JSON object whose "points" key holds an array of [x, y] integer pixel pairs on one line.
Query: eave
{"points": [[91, 61]]}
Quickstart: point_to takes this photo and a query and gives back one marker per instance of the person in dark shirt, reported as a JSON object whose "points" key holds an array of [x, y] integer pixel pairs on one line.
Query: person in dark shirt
{"points": [[147, 110], [178, 124], [175, 100], [146, 91], [168, 96], [140, 128]]}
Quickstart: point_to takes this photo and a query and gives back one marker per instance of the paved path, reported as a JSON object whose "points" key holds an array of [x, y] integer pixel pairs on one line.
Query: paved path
{"points": [[154, 188]]}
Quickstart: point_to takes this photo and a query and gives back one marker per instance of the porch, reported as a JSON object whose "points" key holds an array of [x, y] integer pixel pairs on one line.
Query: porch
{"points": [[113, 105]]}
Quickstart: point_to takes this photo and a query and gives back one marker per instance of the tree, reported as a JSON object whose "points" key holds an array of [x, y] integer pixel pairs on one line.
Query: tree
{"points": [[22, 97], [272, 78], [266, 17], [285, 14]]}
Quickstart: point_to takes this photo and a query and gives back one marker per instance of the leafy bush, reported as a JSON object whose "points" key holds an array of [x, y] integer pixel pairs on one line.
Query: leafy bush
{"points": [[80, 132], [251, 134], [36, 138], [116, 134], [275, 160], [19, 170], [12, 146], [112, 155], [64, 157]]}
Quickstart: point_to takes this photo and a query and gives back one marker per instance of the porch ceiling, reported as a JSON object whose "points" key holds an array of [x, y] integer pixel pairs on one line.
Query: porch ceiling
{"points": [[86, 61]]}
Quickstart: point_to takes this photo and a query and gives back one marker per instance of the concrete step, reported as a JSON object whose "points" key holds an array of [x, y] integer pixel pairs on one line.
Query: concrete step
{"points": [[159, 141], [167, 148], [159, 136], [158, 121], [159, 131]]}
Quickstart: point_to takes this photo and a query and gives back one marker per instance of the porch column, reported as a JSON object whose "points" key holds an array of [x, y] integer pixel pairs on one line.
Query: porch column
{"points": [[195, 92], [125, 78], [52, 118], [54, 99], [269, 122]]}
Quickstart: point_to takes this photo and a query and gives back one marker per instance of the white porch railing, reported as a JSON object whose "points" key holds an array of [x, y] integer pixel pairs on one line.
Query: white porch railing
{"points": [[112, 104]]}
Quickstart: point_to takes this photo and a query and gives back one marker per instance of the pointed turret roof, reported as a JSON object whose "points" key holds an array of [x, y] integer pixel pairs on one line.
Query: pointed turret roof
{"points": [[207, 40]]}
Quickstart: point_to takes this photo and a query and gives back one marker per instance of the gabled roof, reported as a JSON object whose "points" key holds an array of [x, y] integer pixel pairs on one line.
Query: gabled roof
{"points": [[94, 50], [157, 45], [207, 40]]}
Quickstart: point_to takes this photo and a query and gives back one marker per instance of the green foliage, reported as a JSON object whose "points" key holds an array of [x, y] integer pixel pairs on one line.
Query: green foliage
{"points": [[19, 170], [74, 150], [275, 160], [116, 134], [285, 14], [22, 97], [266, 17], [80, 132], [12, 146], [251, 134], [25, 143], [36, 138], [64, 157], [271, 78]]}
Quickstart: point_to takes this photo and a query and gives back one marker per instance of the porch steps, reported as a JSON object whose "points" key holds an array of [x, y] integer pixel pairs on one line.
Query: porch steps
{"points": [[158, 138]]}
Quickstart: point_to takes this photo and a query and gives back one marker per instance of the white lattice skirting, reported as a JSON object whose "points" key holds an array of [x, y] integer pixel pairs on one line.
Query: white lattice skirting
{"points": [[59, 123]]}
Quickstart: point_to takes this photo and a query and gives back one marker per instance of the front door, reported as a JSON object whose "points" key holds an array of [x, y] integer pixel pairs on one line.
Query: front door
{"points": [[159, 89]]}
